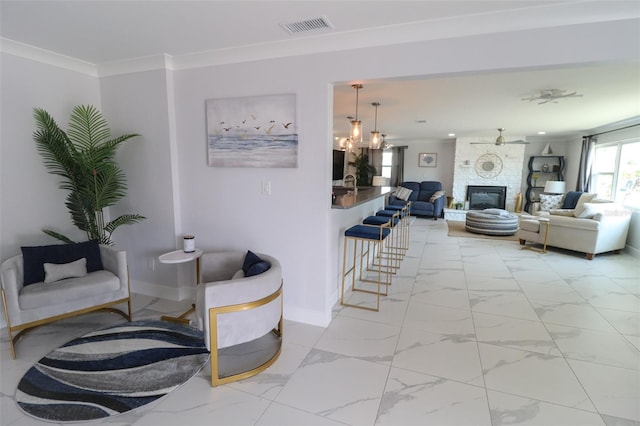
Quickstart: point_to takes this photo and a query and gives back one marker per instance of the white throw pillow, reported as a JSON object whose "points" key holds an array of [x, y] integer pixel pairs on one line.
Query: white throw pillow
{"points": [[551, 201], [436, 195], [589, 210], [584, 198], [403, 193], [55, 272]]}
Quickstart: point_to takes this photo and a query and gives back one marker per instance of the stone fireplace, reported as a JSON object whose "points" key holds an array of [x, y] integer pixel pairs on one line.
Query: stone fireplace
{"points": [[488, 165]]}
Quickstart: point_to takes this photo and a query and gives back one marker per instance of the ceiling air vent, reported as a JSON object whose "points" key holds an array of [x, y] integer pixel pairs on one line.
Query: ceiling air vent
{"points": [[314, 24]]}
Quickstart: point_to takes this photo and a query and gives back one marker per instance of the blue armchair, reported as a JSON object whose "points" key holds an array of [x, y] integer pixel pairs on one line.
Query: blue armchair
{"points": [[420, 198]]}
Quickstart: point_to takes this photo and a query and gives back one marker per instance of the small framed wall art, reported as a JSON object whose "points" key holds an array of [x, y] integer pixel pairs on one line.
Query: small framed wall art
{"points": [[427, 159]]}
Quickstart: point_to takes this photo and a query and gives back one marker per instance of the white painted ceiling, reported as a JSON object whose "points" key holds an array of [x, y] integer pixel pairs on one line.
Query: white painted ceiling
{"points": [[110, 31]]}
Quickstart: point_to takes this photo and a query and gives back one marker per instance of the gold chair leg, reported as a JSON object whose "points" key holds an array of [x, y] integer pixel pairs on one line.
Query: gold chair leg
{"points": [[6, 318]]}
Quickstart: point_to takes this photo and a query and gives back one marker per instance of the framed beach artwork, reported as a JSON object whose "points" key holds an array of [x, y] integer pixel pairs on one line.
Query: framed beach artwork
{"points": [[427, 159], [254, 131]]}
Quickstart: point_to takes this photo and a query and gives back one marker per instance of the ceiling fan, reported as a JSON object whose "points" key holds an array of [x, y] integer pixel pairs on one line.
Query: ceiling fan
{"points": [[500, 141], [551, 95], [384, 144]]}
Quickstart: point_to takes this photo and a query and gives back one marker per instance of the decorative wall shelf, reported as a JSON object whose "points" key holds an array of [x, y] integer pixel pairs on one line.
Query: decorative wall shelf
{"points": [[545, 167]]}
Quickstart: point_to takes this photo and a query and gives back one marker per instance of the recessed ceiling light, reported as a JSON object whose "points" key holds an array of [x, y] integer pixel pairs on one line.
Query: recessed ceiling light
{"points": [[542, 133], [451, 135]]}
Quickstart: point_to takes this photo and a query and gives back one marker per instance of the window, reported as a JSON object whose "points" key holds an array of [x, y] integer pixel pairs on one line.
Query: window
{"points": [[616, 172], [387, 163]]}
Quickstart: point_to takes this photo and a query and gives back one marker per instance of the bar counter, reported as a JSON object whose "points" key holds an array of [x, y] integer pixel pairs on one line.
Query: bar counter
{"points": [[349, 199]]}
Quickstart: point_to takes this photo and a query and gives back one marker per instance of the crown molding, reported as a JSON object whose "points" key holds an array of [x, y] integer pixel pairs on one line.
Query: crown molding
{"points": [[148, 63], [546, 15], [48, 57]]}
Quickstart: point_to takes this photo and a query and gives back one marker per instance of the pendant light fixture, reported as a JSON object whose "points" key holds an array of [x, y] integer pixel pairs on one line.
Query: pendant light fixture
{"points": [[356, 125], [375, 141]]}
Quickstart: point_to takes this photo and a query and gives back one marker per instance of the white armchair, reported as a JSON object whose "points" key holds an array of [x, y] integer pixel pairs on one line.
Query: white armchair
{"points": [[241, 316], [28, 306]]}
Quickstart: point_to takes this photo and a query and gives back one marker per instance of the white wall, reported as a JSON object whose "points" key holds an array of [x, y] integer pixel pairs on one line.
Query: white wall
{"points": [[143, 103], [29, 196], [224, 207], [443, 172], [30, 199]]}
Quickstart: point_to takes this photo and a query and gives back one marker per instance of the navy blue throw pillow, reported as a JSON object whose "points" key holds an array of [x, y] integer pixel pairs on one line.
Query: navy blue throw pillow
{"points": [[34, 258], [253, 265], [571, 199], [258, 268]]}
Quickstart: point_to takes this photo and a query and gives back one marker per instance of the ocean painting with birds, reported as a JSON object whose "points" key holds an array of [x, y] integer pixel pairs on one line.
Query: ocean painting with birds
{"points": [[255, 131]]}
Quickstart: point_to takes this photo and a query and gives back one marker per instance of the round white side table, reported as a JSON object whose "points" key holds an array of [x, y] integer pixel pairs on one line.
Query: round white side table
{"points": [[179, 256]]}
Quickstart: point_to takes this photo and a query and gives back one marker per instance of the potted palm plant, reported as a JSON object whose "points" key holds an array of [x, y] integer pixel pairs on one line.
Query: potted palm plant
{"points": [[364, 170], [84, 157]]}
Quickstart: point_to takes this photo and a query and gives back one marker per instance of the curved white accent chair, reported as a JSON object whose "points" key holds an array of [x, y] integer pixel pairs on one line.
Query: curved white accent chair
{"points": [[241, 316]]}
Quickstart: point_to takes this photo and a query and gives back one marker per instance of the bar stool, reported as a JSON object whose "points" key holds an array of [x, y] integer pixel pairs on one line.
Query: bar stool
{"points": [[375, 235], [405, 216], [401, 237], [393, 255]]}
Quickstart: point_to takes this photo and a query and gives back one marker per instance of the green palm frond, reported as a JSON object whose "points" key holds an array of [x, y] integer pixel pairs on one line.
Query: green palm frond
{"points": [[84, 157], [108, 149], [125, 219], [87, 127], [58, 236], [60, 156]]}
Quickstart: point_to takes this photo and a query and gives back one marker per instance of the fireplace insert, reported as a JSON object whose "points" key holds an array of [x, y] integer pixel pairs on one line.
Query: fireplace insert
{"points": [[486, 197]]}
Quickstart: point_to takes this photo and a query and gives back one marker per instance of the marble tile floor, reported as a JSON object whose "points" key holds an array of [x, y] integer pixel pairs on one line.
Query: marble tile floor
{"points": [[473, 332]]}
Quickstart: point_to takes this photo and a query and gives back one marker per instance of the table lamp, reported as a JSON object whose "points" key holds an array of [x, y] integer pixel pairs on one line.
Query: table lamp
{"points": [[554, 187], [379, 181]]}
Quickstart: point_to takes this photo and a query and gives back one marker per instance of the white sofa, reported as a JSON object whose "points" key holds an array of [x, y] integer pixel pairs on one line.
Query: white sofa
{"points": [[606, 230], [28, 306]]}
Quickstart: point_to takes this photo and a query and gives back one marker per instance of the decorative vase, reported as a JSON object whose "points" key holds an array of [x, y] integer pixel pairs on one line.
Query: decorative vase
{"points": [[450, 202], [545, 167], [518, 206]]}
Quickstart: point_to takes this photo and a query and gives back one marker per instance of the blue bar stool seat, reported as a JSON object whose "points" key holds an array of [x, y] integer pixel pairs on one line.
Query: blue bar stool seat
{"points": [[370, 234], [392, 254]]}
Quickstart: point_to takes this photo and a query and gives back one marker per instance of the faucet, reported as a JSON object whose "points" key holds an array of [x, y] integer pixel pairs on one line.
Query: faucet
{"points": [[355, 182]]}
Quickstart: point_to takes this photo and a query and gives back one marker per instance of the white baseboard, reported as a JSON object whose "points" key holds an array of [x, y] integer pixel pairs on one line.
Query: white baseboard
{"points": [[306, 316], [632, 251]]}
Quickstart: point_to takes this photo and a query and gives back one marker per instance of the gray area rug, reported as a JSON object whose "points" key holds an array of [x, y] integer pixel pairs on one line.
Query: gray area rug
{"points": [[112, 371]]}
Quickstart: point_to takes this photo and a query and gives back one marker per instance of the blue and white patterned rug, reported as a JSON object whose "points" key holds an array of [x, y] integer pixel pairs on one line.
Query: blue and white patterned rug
{"points": [[112, 371]]}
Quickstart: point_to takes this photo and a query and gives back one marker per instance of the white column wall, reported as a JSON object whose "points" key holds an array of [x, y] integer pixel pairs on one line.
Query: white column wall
{"points": [[143, 103]]}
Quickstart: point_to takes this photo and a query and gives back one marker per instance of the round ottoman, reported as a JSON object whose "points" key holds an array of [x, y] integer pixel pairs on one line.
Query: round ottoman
{"points": [[491, 222]]}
